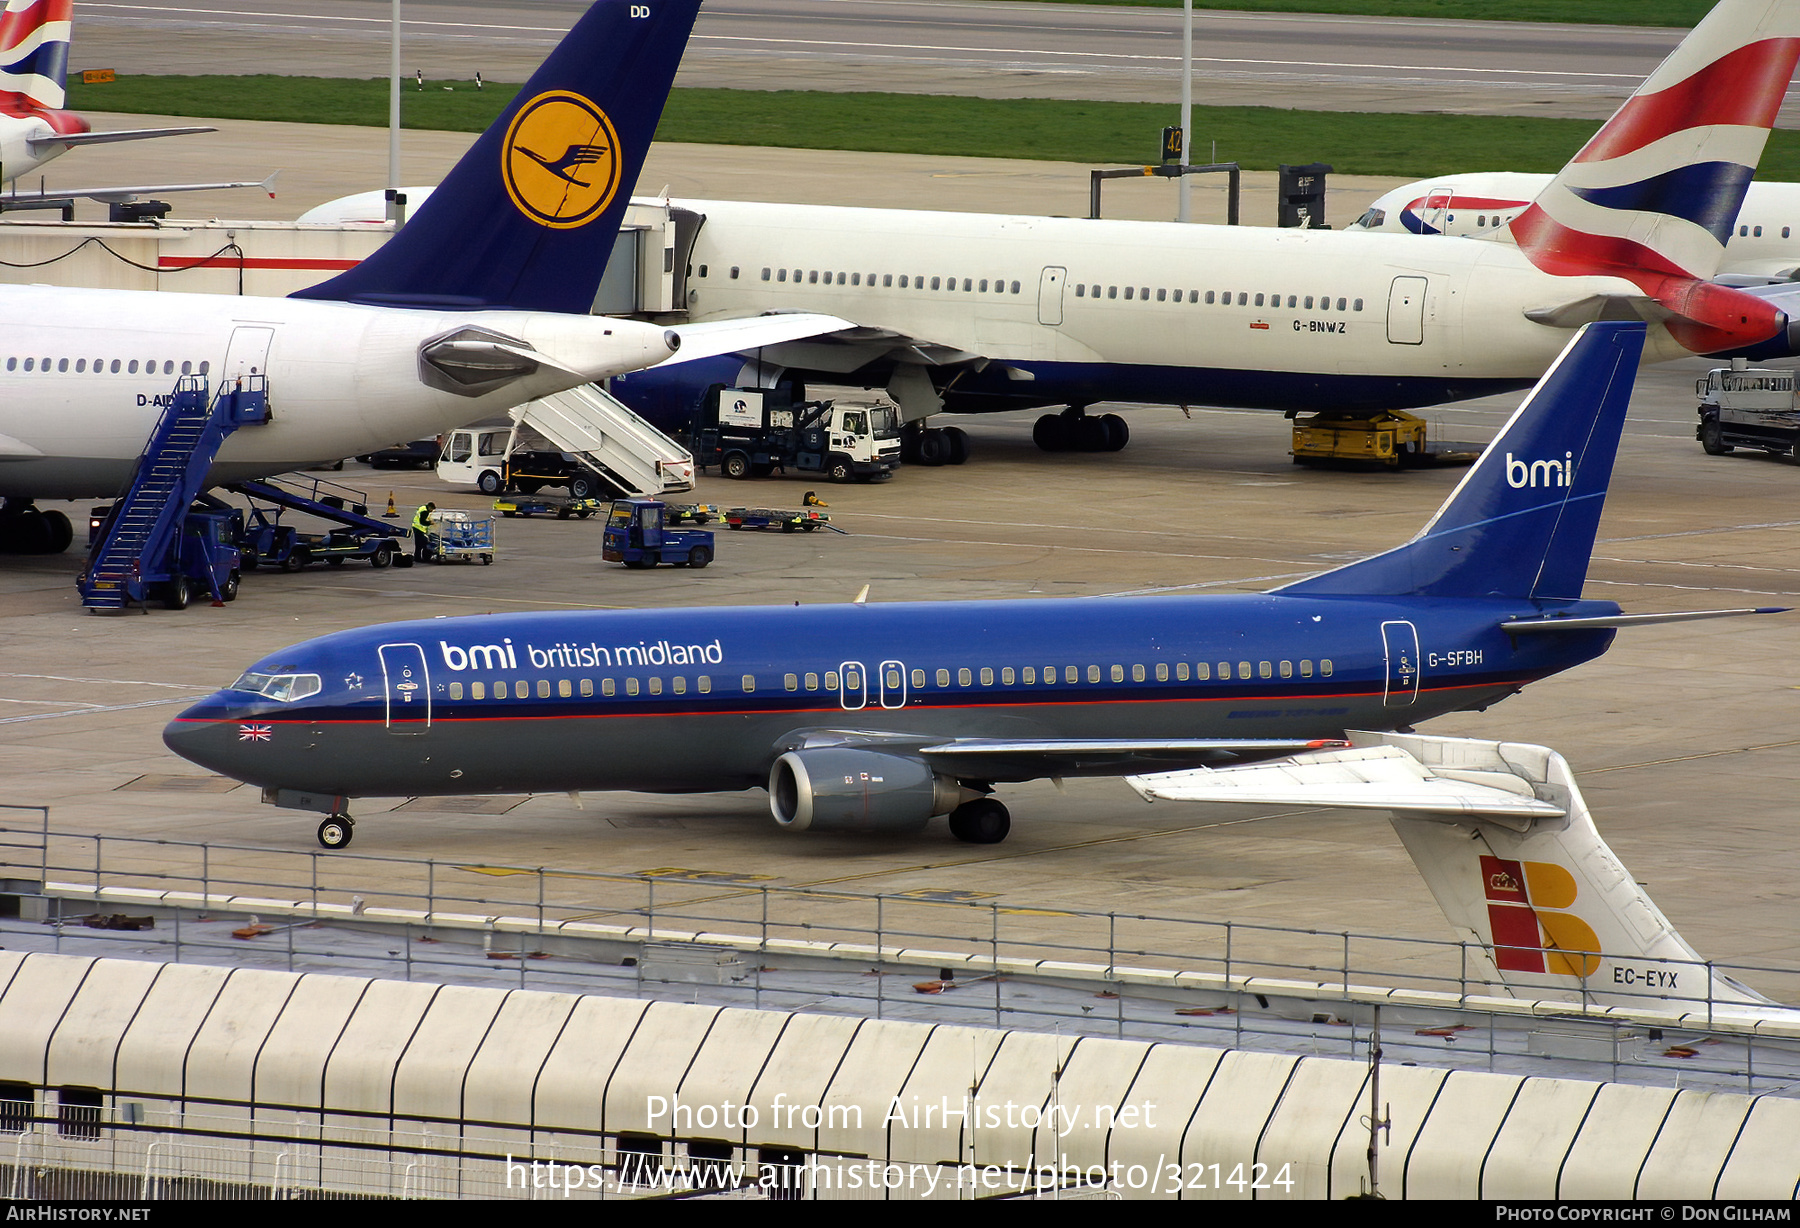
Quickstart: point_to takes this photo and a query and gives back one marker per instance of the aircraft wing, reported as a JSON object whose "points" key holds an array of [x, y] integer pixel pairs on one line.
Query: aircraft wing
{"points": [[40, 144], [717, 337], [995, 759], [832, 345], [1359, 778], [113, 195], [1010, 759]]}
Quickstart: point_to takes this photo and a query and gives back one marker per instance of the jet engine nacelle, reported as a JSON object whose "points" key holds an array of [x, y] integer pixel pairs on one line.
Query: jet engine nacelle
{"points": [[833, 788]]}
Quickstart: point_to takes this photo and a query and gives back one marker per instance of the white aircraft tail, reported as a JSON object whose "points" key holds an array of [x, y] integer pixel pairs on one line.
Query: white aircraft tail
{"points": [[1501, 835]]}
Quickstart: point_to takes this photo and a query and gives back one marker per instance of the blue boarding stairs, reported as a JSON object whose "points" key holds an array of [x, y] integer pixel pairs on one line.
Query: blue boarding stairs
{"points": [[155, 543]]}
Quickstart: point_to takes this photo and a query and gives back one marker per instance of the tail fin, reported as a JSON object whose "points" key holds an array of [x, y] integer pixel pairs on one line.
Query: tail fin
{"points": [[528, 217], [1549, 900], [1653, 196], [1501, 835], [1522, 521], [34, 54]]}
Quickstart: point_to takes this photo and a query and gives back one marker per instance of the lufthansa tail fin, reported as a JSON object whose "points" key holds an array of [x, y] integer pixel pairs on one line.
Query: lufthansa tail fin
{"points": [[527, 218], [34, 55], [1500, 833], [1653, 197], [1522, 521]]}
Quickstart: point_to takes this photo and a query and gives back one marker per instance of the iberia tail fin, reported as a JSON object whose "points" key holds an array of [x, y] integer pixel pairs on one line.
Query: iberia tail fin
{"points": [[1502, 836]]}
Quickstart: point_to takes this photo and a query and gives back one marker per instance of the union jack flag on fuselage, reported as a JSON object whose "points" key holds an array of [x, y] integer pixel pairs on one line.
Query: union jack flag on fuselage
{"points": [[1653, 196]]}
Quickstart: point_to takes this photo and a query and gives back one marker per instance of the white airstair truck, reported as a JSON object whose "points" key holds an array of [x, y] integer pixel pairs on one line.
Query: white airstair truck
{"points": [[601, 444]]}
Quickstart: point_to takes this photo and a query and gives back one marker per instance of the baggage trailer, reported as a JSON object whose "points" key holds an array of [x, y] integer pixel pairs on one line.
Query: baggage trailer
{"points": [[547, 505], [461, 537], [804, 521]]}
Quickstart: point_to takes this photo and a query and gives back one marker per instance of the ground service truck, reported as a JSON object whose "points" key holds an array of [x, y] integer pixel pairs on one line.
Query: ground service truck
{"points": [[1747, 407], [751, 432]]}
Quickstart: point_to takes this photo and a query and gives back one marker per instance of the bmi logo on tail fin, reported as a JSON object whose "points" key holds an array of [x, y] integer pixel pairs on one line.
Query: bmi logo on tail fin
{"points": [[34, 55], [1522, 521], [528, 217], [1652, 198]]}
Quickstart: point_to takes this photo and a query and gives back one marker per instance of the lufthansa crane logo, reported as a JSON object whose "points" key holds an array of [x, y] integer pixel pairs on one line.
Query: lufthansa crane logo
{"points": [[560, 160]]}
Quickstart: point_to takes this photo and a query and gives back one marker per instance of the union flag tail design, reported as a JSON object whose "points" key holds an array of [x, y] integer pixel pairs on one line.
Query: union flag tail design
{"points": [[1653, 196], [34, 55]]}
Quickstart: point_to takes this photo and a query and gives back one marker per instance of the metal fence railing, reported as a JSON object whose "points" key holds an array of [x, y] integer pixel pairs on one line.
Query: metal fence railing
{"points": [[753, 942]]}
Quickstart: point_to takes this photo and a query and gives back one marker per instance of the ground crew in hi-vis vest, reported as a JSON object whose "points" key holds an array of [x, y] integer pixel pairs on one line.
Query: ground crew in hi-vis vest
{"points": [[421, 530]]}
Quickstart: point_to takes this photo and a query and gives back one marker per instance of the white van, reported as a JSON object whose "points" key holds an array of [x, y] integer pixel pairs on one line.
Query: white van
{"points": [[476, 456]]}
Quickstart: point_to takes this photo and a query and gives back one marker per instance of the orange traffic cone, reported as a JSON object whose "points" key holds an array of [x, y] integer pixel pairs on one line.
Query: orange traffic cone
{"points": [[393, 513]]}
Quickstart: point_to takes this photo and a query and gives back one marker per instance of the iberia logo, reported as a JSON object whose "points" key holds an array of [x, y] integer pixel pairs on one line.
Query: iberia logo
{"points": [[560, 160], [1532, 932]]}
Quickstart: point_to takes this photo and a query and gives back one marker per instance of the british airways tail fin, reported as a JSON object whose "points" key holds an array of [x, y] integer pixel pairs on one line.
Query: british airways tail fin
{"points": [[34, 55], [528, 217], [1522, 521], [1653, 197]]}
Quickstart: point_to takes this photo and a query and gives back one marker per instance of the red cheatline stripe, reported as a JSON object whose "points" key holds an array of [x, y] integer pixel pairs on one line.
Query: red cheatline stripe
{"points": [[15, 26], [1745, 87], [228, 262]]}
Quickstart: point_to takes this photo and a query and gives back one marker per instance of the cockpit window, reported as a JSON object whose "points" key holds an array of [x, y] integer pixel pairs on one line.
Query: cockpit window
{"points": [[1371, 220], [282, 687]]}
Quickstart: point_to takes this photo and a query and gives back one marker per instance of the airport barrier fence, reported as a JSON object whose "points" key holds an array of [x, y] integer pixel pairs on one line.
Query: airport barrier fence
{"points": [[761, 944]]}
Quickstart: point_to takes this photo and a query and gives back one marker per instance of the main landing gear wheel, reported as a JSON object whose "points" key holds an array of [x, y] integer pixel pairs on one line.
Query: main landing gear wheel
{"points": [[24, 529], [335, 832], [1074, 431], [982, 821]]}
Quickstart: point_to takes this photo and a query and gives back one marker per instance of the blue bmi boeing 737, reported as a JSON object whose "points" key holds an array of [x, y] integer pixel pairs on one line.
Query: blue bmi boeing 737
{"points": [[878, 717]]}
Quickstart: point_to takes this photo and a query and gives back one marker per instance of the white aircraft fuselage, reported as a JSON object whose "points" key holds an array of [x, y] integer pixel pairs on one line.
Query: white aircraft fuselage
{"points": [[1071, 310], [85, 374]]}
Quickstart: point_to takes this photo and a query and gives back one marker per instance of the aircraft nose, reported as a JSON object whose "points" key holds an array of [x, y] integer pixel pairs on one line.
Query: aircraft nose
{"points": [[205, 735]]}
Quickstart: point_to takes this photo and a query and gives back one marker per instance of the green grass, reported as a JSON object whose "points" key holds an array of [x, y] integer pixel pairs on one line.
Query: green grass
{"points": [[1683, 13], [1100, 133]]}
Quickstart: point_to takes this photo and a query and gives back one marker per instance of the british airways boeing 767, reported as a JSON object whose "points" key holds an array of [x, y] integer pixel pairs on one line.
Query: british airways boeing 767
{"points": [[878, 717]]}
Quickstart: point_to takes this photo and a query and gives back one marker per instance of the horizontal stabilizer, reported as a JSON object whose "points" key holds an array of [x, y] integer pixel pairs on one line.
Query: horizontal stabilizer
{"points": [[1522, 626], [111, 193], [38, 145], [1356, 778], [717, 337], [1502, 836]]}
